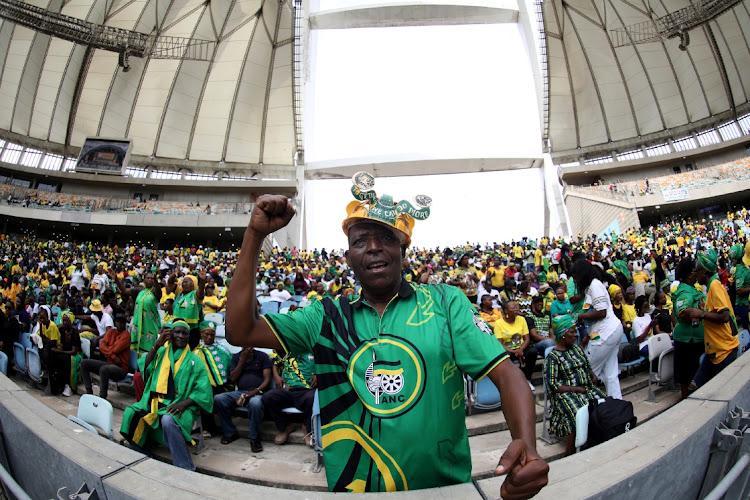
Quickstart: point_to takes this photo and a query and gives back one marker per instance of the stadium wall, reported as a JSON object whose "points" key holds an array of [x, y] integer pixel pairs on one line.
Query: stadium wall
{"points": [[666, 456], [590, 214]]}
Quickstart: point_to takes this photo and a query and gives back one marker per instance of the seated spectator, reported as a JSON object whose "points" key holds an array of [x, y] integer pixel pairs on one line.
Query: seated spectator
{"points": [[216, 360], [65, 359], [643, 325], [251, 371], [177, 389], [280, 294], [115, 348], [539, 326], [295, 387], [101, 320], [513, 331], [212, 303], [661, 314], [569, 382], [561, 304], [487, 311]]}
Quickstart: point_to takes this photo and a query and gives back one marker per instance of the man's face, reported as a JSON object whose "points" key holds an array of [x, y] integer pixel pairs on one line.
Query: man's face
{"points": [[375, 255], [208, 336], [180, 337], [536, 307]]}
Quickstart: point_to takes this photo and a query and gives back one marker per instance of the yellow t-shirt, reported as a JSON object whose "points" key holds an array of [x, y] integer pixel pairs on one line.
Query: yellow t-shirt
{"points": [[640, 277], [51, 332], [212, 304], [498, 278], [517, 252], [490, 318], [537, 257], [165, 295], [628, 313], [511, 334], [718, 336]]}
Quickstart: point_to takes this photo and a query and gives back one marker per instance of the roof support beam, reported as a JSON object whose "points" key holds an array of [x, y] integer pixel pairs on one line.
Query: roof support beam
{"points": [[567, 70]]}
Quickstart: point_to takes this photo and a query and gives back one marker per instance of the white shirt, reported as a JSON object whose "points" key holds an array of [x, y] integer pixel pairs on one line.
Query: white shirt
{"points": [[100, 282], [103, 324], [639, 326], [280, 295], [76, 279], [598, 298]]}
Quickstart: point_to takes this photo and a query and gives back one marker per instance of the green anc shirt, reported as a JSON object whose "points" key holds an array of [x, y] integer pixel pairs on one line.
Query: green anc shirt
{"points": [[686, 296], [295, 371], [391, 389], [742, 280]]}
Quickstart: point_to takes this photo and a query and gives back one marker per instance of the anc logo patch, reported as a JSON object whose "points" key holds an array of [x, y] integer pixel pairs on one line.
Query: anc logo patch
{"points": [[388, 375]]}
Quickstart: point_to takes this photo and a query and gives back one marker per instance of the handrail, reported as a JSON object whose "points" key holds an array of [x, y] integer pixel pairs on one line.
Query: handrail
{"points": [[12, 486], [727, 481]]}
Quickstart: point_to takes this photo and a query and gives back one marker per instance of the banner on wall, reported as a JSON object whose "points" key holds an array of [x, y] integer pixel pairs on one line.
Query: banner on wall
{"points": [[674, 194]]}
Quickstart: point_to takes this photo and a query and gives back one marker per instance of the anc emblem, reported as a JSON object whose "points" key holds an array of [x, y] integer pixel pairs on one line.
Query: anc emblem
{"points": [[388, 375]]}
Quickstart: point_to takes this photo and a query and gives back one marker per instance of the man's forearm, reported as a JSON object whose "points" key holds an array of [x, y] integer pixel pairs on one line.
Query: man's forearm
{"points": [[518, 405], [241, 295]]}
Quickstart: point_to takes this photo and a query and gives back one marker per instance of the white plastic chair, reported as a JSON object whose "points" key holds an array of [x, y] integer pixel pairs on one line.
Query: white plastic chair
{"points": [[34, 362], [217, 318], [94, 413], [3, 363], [221, 331], [582, 426], [660, 347]]}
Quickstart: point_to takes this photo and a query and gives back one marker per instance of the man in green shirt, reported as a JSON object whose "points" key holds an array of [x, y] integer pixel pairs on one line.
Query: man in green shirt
{"points": [[389, 364], [687, 333], [294, 377]]}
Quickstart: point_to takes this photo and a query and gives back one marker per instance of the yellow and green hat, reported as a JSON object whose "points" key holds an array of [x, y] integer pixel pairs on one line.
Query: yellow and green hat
{"points": [[368, 206]]}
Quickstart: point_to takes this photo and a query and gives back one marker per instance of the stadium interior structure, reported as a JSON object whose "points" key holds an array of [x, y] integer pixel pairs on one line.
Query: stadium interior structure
{"points": [[643, 108]]}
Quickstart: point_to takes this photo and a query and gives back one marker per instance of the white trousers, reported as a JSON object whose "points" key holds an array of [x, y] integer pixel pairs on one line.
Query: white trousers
{"points": [[603, 359]]}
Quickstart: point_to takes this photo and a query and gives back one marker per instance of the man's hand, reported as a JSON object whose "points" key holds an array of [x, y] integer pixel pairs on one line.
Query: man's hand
{"points": [[271, 213], [693, 314], [179, 407], [164, 337], [526, 471]]}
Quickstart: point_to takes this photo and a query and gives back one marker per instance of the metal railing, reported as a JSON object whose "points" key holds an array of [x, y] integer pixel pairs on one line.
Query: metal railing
{"points": [[10, 485], [125, 42], [727, 473], [298, 65], [671, 24]]}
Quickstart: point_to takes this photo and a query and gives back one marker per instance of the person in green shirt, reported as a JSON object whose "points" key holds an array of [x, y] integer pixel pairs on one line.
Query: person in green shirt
{"points": [[687, 334], [294, 377], [389, 364], [188, 302], [741, 256], [177, 389], [216, 360], [146, 319]]}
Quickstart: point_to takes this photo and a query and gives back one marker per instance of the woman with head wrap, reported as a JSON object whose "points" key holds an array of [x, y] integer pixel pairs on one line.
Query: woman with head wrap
{"points": [[569, 380], [65, 358]]}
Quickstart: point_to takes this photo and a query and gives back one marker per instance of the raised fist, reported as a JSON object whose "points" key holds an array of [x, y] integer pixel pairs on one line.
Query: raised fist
{"points": [[271, 213]]}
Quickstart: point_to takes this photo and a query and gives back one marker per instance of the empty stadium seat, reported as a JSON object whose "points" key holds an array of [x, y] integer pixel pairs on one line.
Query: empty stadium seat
{"points": [[660, 347], [94, 413], [19, 358], [3, 363]]}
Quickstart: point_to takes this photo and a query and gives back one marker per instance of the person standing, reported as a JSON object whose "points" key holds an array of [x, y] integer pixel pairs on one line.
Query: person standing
{"points": [[688, 333], [719, 327], [146, 319], [389, 376], [604, 330]]}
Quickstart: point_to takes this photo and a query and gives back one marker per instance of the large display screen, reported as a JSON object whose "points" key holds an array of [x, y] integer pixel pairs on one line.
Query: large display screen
{"points": [[101, 155]]}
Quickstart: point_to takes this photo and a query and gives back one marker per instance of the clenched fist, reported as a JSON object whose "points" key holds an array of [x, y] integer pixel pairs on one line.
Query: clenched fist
{"points": [[271, 213]]}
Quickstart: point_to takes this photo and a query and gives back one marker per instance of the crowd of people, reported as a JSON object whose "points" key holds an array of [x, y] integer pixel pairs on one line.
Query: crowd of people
{"points": [[586, 303]]}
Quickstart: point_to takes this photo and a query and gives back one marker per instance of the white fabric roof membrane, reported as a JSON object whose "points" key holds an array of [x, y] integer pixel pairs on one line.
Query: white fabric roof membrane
{"points": [[601, 94], [237, 107]]}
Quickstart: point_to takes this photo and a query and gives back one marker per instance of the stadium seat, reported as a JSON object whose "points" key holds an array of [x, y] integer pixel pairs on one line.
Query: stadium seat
{"points": [[3, 363], [630, 366], [217, 318], [660, 347], [34, 364], [287, 304], [86, 347], [132, 368], [19, 358], [94, 413], [269, 307], [744, 342], [25, 340], [546, 436], [221, 331], [483, 396], [317, 434]]}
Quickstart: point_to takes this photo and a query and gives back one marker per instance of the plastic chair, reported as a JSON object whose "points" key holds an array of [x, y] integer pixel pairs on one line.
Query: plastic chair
{"points": [[270, 307], [25, 340], [3, 363], [546, 436], [132, 367], [19, 358], [94, 412], [486, 397], [217, 318], [287, 304], [744, 341], [659, 347], [86, 347], [229, 347], [630, 365], [317, 434], [34, 363], [221, 331]]}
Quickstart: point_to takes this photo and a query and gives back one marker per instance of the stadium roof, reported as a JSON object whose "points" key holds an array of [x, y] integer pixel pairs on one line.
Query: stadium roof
{"points": [[609, 92], [236, 106]]}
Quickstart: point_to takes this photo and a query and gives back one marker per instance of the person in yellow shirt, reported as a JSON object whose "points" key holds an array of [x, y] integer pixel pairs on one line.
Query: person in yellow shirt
{"points": [[538, 254], [512, 330], [628, 309], [719, 324], [487, 312], [496, 272], [212, 303]]}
